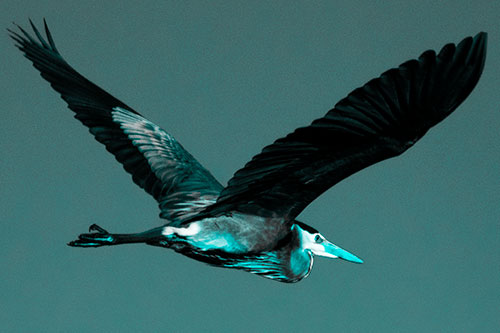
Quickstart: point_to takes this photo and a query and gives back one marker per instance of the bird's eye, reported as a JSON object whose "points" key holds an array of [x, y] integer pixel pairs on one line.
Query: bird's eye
{"points": [[318, 239]]}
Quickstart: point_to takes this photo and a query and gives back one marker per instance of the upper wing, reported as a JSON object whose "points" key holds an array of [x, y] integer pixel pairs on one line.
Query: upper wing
{"points": [[156, 161], [377, 121]]}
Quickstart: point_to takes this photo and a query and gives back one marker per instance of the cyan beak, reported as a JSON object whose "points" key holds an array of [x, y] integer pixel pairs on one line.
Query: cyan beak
{"points": [[333, 251]]}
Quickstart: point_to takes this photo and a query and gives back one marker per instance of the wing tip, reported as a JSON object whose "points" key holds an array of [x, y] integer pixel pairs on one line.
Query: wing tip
{"points": [[26, 41], [480, 45]]}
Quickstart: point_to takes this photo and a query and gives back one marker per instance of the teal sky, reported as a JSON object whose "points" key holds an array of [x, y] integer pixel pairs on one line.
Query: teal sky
{"points": [[227, 78]]}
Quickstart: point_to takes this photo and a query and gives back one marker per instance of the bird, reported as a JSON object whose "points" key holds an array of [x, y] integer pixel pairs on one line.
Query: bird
{"points": [[250, 224]]}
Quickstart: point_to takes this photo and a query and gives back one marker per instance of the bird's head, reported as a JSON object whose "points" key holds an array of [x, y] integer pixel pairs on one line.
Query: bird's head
{"points": [[311, 240]]}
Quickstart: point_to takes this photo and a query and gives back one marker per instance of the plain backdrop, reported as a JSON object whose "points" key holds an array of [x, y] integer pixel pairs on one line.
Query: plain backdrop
{"points": [[227, 78]]}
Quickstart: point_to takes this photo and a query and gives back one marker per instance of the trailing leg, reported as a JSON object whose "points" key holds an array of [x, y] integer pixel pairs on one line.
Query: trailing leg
{"points": [[100, 237]]}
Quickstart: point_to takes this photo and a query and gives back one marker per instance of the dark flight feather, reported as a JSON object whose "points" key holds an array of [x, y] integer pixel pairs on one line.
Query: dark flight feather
{"points": [[380, 120], [156, 161]]}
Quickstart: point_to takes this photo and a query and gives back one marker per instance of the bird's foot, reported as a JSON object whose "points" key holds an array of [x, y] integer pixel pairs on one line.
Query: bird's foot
{"points": [[94, 239]]}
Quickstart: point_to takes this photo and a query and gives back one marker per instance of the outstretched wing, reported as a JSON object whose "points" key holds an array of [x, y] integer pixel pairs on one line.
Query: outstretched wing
{"points": [[382, 119], [156, 161]]}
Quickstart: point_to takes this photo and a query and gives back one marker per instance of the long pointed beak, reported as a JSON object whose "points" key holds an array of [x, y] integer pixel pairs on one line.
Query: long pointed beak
{"points": [[333, 251]]}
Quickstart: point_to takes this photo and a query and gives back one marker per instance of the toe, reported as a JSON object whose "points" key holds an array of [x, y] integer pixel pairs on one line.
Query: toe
{"points": [[95, 227]]}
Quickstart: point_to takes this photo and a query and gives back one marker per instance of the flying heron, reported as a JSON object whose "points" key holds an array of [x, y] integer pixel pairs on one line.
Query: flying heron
{"points": [[250, 224]]}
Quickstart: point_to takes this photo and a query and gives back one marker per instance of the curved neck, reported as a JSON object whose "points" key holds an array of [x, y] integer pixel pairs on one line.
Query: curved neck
{"points": [[301, 262]]}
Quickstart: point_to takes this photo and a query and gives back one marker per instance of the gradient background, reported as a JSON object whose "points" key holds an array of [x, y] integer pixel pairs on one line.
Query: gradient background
{"points": [[226, 78]]}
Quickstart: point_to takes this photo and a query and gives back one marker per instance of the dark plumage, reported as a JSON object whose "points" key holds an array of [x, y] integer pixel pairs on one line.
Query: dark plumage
{"points": [[250, 224]]}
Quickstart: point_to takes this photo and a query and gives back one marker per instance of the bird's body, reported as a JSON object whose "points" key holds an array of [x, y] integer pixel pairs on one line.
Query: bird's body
{"points": [[236, 233], [246, 242], [250, 224]]}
